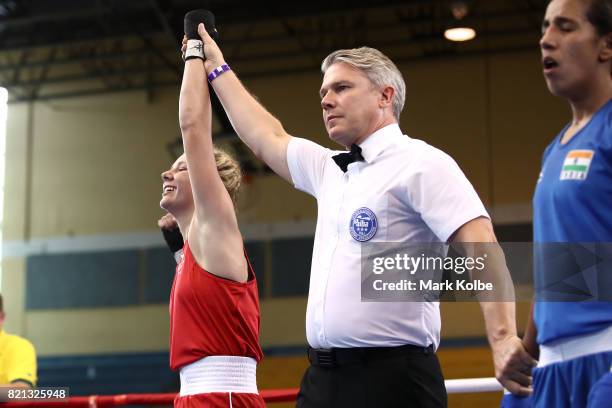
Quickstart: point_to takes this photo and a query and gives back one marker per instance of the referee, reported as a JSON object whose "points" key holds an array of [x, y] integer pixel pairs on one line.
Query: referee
{"points": [[388, 187]]}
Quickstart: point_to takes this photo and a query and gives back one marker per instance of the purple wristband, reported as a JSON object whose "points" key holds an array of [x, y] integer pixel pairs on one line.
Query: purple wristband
{"points": [[218, 71]]}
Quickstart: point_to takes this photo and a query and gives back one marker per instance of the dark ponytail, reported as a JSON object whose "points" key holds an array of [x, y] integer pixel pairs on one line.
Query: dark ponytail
{"points": [[600, 15]]}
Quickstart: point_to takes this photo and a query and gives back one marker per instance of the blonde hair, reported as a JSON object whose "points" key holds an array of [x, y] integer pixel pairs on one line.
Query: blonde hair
{"points": [[379, 69], [230, 173]]}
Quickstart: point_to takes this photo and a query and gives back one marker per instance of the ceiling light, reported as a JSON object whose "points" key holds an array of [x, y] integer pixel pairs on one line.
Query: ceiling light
{"points": [[458, 31], [459, 34]]}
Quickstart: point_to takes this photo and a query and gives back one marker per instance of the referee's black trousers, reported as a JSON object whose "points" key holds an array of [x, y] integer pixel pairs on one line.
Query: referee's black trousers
{"points": [[411, 379]]}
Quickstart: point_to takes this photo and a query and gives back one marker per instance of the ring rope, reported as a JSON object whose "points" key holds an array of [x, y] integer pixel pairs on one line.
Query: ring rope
{"points": [[456, 386]]}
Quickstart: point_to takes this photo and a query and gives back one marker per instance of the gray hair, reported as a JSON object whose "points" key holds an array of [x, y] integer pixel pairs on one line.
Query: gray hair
{"points": [[379, 69]]}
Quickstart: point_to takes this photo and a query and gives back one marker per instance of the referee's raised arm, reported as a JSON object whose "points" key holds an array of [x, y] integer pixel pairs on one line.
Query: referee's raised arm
{"points": [[258, 128]]}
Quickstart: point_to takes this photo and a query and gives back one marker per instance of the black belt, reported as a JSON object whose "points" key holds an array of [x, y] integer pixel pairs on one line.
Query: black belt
{"points": [[335, 357]]}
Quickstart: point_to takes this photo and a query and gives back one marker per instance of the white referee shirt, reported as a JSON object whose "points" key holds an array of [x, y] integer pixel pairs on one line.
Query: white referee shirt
{"points": [[417, 194]]}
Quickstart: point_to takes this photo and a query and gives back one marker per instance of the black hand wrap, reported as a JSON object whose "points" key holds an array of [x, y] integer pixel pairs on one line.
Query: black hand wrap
{"points": [[195, 17], [173, 238]]}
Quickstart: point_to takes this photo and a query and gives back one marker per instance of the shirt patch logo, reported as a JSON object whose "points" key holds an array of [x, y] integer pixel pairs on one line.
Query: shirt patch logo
{"points": [[363, 224], [576, 165]]}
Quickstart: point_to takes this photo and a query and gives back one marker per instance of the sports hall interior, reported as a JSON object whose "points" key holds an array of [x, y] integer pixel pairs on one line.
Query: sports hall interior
{"points": [[92, 121]]}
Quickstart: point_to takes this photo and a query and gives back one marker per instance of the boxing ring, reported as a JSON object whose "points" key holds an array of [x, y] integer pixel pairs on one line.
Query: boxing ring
{"points": [[456, 386]]}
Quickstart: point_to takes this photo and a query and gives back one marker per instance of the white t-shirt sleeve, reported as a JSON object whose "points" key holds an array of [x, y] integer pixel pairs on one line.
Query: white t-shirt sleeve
{"points": [[306, 162], [442, 194]]}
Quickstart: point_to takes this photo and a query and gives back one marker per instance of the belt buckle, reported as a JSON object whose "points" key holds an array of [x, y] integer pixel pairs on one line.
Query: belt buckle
{"points": [[324, 357]]}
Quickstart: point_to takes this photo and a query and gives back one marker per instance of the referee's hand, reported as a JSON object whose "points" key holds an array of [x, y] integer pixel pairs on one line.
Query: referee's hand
{"points": [[513, 365], [213, 57]]}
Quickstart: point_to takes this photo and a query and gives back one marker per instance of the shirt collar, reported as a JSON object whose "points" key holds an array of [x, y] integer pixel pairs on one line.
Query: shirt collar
{"points": [[378, 141]]}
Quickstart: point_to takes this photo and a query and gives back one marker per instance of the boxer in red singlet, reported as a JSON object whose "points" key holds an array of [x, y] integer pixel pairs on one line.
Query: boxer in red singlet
{"points": [[214, 307]]}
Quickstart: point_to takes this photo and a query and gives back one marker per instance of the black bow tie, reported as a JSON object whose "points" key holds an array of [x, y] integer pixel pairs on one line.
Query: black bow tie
{"points": [[344, 159]]}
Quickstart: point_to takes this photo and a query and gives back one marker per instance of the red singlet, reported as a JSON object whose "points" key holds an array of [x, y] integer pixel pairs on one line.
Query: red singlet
{"points": [[211, 316]]}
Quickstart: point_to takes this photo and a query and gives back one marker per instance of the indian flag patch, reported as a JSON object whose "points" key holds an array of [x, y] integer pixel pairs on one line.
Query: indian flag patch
{"points": [[576, 165]]}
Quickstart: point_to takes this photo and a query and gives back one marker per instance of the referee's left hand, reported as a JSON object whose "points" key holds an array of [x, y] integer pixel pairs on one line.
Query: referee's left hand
{"points": [[513, 365]]}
